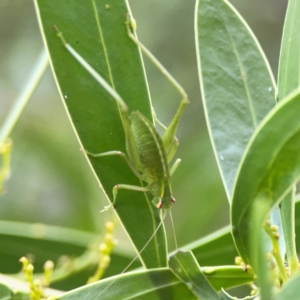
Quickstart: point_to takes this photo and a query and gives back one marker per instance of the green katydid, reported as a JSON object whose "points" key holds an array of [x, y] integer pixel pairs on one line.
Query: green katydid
{"points": [[148, 154]]}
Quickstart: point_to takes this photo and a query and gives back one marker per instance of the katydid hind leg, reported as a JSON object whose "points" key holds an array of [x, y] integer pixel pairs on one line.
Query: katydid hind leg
{"points": [[175, 166], [175, 143], [118, 187], [126, 187]]}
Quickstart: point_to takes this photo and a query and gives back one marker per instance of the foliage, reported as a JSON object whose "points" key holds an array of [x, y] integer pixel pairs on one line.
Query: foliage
{"points": [[254, 129]]}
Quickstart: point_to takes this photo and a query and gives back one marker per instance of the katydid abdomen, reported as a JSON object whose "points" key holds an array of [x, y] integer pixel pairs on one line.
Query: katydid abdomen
{"points": [[153, 160], [153, 163]]}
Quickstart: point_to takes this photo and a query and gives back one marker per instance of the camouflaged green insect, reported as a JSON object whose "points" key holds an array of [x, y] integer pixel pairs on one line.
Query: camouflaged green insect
{"points": [[148, 155]]}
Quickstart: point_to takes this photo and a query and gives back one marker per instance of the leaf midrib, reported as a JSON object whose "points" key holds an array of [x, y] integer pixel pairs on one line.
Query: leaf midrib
{"points": [[109, 69], [249, 98]]}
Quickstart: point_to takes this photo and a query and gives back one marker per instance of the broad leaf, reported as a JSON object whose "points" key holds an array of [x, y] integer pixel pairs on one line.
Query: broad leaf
{"points": [[270, 167], [185, 267], [97, 31], [236, 82]]}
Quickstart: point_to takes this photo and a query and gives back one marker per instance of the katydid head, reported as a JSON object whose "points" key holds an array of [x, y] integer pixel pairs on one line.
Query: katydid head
{"points": [[165, 198]]}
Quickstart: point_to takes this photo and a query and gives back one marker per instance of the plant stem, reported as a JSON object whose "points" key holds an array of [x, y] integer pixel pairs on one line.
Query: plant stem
{"points": [[21, 102], [272, 231]]}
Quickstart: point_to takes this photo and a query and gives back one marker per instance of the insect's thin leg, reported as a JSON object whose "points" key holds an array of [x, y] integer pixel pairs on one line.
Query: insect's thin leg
{"points": [[174, 233], [175, 166], [118, 153], [123, 187], [170, 133], [171, 152], [171, 79], [173, 148], [169, 136], [156, 121]]}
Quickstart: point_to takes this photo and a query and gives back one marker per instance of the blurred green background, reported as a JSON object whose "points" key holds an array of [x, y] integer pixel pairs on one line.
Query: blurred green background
{"points": [[51, 181]]}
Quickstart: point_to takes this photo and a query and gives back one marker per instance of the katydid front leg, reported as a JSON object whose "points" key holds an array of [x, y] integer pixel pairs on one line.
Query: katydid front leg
{"points": [[118, 187], [122, 187]]}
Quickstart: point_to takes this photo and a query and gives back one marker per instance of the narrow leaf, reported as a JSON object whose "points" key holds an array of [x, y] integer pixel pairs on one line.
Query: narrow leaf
{"points": [[155, 284], [237, 85], [287, 209], [270, 167], [289, 63], [97, 31], [288, 80], [185, 267]]}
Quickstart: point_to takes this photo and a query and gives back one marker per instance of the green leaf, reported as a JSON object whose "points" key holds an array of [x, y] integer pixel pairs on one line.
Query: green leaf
{"points": [[214, 249], [289, 63], [288, 80], [154, 284], [290, 290], [270, 166], [226, 296], [185, 267], [236, 82], [5, 292], [98, 33]]}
